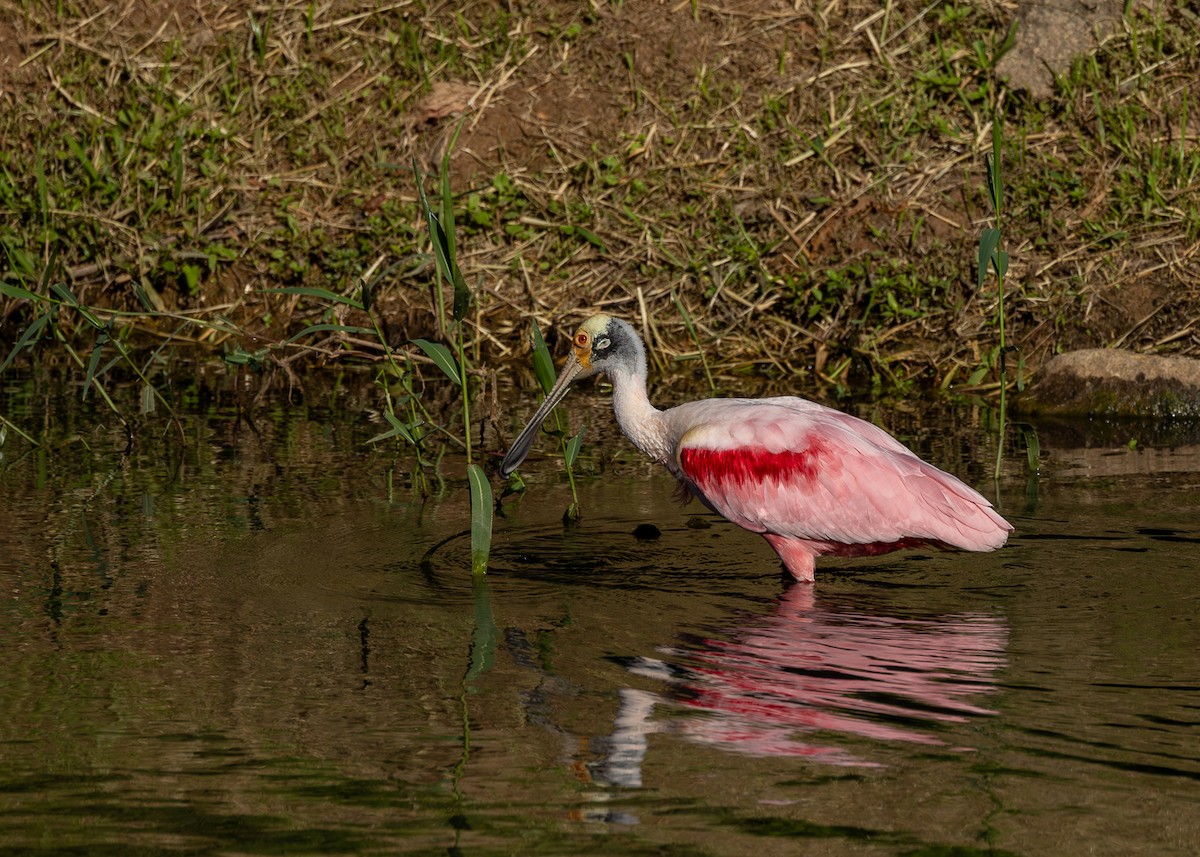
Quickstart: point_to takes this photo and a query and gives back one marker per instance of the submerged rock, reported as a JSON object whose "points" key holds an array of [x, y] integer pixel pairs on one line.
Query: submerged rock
{"points": [[1104, 382]]}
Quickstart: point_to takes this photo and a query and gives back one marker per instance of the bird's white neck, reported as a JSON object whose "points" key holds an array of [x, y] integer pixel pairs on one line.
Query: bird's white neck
{"points": [[639, 420]]}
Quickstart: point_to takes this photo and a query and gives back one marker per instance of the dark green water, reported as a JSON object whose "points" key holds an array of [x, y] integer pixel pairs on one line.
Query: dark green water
{"points": [[256, 641]]}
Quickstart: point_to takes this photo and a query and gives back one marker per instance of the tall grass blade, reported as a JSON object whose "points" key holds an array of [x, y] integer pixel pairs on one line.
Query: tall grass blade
{"points": [[441, 356], [988, 242], [543, 363], [999, 260], [462, 295], [443, 251], [990, 172], [481, 518], [995, 174]]}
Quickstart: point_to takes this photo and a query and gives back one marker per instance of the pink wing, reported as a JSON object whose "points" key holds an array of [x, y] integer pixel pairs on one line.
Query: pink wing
{"points": [[803, 471]]}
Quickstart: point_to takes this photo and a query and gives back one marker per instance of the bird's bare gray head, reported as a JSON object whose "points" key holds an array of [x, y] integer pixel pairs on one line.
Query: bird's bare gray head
{"points": [[601, 344], [609, 345]]}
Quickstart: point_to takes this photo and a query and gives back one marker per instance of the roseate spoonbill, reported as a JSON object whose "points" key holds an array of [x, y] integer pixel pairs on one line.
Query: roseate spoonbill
{"points": [[809, 479]]}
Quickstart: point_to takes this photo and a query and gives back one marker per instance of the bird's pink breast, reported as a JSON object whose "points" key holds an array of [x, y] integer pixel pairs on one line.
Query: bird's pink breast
{"points": [[741, 465]]}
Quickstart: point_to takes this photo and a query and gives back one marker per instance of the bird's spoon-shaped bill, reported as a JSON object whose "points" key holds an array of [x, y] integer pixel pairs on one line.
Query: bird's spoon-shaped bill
{"points": [[524, 442]]}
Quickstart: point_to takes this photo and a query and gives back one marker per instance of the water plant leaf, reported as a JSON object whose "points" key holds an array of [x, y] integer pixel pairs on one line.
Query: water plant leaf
{"points": [[441, 356], [481, 518], [241, 357], [398, 429], [485, 634], [94, 361], [543, 364], [27, 338], [988, 242], [1033, 448], [571, 451]]}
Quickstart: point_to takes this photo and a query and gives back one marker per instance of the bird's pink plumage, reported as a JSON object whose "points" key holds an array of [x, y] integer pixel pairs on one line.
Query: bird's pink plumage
{"points": [[740, 465]]}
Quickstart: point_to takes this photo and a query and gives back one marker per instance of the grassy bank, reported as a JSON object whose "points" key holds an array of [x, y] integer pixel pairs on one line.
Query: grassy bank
{"points": [[808, 184]]}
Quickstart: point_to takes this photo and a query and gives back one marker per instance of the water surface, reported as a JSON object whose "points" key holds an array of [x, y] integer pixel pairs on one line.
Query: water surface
{"points": [[257, 640]]}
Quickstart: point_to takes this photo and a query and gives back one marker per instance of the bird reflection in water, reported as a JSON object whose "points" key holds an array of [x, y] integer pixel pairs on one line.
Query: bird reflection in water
{"points": [[771, 687]]}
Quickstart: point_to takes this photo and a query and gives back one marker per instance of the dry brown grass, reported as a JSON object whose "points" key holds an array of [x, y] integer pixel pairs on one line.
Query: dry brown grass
{"points": [[613, 156]]}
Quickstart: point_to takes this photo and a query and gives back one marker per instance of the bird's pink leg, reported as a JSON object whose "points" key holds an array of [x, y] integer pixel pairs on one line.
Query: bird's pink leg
{"points": [[798, 556]]}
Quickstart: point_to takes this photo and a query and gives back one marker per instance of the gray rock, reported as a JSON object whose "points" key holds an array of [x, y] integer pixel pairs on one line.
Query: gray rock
{"points": [[1050, 34], [1104, 382]]}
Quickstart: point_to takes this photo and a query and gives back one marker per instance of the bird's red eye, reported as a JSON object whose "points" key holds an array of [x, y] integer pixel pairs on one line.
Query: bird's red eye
{"points": [[581, 338]]}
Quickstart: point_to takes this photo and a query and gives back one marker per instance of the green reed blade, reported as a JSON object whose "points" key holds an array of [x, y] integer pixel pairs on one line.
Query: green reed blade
{"points": [[441, 356], [481, 518]]}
